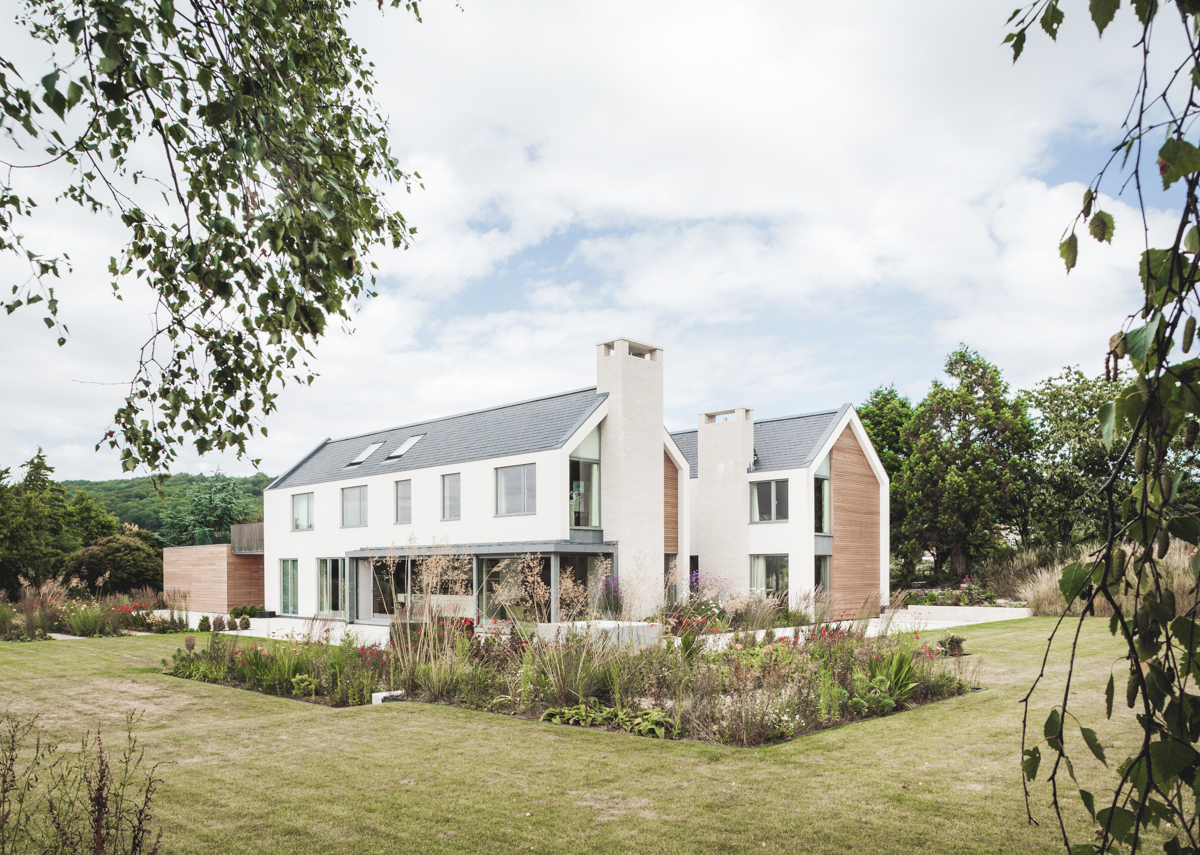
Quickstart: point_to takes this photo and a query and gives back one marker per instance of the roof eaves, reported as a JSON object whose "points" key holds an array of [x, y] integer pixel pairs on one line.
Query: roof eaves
{"points": [[600, 398], [833, 423], [299, 463]]}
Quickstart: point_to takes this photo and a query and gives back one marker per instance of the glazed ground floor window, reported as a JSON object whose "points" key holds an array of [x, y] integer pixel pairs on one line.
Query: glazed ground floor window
{"points": [[289, 594], [769, 575]]}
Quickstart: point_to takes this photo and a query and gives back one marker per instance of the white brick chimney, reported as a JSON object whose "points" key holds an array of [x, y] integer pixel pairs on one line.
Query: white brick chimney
{"points": [[725, 447], [631, 467]]}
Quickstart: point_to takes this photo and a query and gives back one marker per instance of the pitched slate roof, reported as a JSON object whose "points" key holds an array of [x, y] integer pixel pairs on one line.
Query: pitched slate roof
{"points": [[789, 442], [520, 428]]}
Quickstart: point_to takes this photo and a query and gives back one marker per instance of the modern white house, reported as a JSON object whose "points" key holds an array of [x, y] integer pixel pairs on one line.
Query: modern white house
{"points": [[777, 506]]}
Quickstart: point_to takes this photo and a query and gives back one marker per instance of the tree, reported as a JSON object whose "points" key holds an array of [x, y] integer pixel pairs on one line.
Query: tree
{"points": [[238, 144], [1144, 423], [969, 444], [1071, 462], [88, 519], [884, 415], [123, 561], [210, 508], [37, 532]]}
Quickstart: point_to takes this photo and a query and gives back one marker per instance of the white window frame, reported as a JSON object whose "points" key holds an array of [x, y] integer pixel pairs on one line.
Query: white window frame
{"points": [[396, 499], [312, 512], [289, 566], [774, 500], [446, 497], [362, 513], [528, 490]]}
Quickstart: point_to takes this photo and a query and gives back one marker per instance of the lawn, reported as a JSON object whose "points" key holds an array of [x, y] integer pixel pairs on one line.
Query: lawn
{"points": [[246, 772]]}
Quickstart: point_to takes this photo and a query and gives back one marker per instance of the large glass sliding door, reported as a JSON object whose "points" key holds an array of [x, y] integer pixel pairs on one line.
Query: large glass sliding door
{"points": [[331, 577], [392, 582]]}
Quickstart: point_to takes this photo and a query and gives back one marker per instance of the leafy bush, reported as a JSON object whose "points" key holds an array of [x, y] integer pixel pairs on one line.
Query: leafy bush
{"points": [[124, 561], [748, 694], [245, 611], [205, 625]]}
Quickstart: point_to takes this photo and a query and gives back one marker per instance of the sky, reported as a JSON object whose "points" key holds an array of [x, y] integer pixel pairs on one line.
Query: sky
{"points": [[798, 202]]}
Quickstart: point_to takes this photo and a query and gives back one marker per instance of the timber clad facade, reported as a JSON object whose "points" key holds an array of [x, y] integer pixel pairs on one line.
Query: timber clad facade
{"points": [[670, 506], [579, 478], [854, 565], [215, 578]]}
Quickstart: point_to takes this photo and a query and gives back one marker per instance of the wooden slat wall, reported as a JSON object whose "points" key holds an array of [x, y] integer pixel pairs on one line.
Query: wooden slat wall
{"points": [[202, 572], [214, 577], [245, 580], [670, 506], [854, 567]]}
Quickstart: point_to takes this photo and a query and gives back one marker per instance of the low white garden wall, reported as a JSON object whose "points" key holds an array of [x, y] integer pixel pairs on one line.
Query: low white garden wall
{"points": [[966, 614]]}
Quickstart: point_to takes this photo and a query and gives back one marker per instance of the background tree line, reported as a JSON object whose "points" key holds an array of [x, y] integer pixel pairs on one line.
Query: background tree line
{"points": [[111, 534], [978, 472]]}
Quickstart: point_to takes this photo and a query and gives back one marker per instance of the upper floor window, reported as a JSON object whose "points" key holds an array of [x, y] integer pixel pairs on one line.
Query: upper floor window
{"points": [[584, 495], [354, 506], [516, 489], [302, 512], [404, 501], [451, 496], [769, 501], [821, 498]]}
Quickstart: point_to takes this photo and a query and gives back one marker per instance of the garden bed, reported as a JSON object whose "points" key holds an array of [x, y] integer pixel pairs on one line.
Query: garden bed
{"points": [[751, 693]]}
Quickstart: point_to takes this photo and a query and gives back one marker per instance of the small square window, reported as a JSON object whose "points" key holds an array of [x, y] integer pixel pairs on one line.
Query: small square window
{"points": [[516, 490], [769, 501]]}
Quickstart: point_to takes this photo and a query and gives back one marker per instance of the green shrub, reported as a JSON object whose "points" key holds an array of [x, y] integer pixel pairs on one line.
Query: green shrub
{"points": [[205, 625]]}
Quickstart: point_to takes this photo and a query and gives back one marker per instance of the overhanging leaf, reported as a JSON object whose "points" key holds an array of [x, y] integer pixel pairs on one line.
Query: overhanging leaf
{"points": [[1108, 414], [1089, 735], [1069, 251], [1074, 577], [1102, 227], [1029, 765], [1103, 12], [1138, 341], [1176, 159]]}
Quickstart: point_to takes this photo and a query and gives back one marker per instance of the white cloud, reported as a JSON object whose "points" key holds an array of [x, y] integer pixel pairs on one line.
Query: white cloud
{"points": [[799, 202]]}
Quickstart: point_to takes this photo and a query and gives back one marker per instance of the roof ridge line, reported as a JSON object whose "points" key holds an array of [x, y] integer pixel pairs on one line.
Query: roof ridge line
{"points": [[777, 418], [463, 414]]}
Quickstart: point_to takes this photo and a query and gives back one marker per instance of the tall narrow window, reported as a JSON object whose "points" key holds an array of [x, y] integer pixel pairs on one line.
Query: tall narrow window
{"points": [[516, 489], [769, 501], [585, 493], [302, 512], [451, 496], [288, 587], [404, 501], [821, 573], [331, 578], [821, 498], [354, 506]]}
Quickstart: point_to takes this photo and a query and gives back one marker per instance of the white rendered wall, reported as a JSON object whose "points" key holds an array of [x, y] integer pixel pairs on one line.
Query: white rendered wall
{"points": [[631, 467], [478, 522], [725, 450]]}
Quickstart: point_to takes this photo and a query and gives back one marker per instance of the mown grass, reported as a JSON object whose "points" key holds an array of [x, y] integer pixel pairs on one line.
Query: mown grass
{"points": [[252, 773]]}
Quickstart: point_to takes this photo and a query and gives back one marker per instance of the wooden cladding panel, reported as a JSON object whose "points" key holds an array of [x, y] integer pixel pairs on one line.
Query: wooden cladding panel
{"points": [[245, 583], [854, 567], [214, 577], [670, 506]]}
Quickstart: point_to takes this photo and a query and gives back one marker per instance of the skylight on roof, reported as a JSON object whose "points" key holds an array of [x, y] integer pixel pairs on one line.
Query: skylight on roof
{"points": [[405, 446], [367, 452]]}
